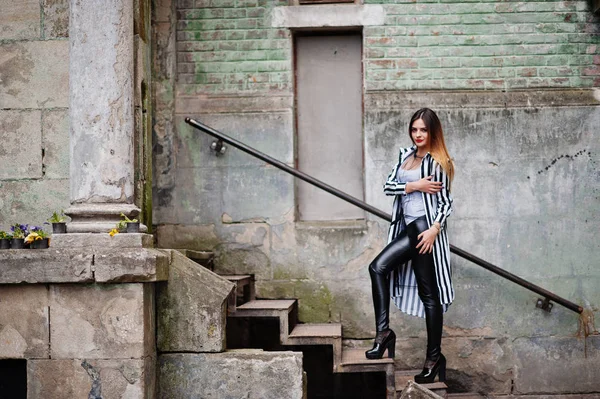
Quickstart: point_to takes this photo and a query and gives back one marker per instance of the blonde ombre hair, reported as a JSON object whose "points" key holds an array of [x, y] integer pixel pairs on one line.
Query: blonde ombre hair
{"points": [[437, 145]]}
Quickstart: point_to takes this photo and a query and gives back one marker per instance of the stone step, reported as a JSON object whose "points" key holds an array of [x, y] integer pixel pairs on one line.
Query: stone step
{"points": [[265, 307], [244, 291], [404, 376], [319, 334], [238, 278], [324, 330], [284, 309], [352, 357], [354, 361]]}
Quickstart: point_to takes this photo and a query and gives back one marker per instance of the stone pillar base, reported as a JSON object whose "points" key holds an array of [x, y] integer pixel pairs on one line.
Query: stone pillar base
{"points": [[99, 218]]}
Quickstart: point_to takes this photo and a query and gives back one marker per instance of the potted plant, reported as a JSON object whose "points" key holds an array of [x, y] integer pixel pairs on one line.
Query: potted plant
{"points": [[19, 232], [129, 225], [5, 240], [58, 221], [37, 238]]}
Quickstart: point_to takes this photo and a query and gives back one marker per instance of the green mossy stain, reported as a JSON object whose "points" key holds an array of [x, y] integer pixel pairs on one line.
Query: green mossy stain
{"points": [[314, 303], [211, 330], [289, 273]]}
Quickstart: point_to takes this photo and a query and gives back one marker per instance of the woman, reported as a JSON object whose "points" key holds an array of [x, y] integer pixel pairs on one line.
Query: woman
{"points": [[417, 257]]}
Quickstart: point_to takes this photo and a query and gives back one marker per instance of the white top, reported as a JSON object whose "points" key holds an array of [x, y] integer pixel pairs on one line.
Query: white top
{"points": [[412, 204]]}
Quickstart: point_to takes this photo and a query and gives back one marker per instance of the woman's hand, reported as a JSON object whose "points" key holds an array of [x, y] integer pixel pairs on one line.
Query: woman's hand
{"points": [[424, 185], [426, 240]]}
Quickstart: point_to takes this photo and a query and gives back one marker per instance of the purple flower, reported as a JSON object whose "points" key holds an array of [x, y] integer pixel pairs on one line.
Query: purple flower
{"points": [[20, 230]]}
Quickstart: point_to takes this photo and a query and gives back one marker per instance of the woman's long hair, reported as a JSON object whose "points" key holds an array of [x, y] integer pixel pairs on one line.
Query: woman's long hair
{"points": [[437, 146]]}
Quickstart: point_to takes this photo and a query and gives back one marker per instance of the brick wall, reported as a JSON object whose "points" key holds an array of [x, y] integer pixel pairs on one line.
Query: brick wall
{"points": [[484, 45], [227, 46]]}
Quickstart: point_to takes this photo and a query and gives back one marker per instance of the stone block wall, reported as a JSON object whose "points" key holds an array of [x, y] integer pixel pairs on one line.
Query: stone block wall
{"points": [[250, 373], [81, 340], [34, 110], [83, 318], [34, 100]]}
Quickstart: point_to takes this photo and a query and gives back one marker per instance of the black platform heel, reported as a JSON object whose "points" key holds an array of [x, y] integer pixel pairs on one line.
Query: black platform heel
{"points": [[383, 340], [429, 372]]}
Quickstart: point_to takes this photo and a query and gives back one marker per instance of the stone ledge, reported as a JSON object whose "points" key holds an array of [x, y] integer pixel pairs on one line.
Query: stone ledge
{"points": [[102, 240], [45, 266], [532, 98], [131, 265], [233, 103], [318, 16]]}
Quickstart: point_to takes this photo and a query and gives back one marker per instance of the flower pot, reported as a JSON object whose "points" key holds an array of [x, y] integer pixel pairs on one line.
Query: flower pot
{"points": [[40, 244], [133, 227], [4, 243], [59, 228], [17, 243]]}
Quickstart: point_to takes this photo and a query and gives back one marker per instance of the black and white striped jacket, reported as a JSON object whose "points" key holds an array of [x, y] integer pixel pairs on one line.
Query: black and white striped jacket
{"points": [[403, 285]]}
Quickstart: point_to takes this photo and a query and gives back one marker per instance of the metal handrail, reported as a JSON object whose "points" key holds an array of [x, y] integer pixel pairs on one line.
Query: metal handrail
{"points": [[377, 212]]}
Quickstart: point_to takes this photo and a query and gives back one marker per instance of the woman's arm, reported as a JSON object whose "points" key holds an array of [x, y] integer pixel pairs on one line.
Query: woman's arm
{"points": [[444, 209], [444, 199], [392, 186], [424, 185]]}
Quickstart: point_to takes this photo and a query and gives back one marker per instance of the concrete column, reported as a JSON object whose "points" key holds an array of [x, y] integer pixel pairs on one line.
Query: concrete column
{"points": [[101, 113]]}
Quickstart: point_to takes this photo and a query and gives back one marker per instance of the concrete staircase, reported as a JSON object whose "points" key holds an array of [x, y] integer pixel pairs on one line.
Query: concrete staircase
{"points": [[291, 332]]}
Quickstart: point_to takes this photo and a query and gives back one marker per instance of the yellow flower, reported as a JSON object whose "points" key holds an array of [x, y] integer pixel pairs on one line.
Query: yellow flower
{"points": [[31, 237], [113, 232]]}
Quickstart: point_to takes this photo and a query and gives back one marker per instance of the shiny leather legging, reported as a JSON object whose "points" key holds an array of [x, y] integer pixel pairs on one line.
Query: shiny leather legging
{"points": [[399, 251]]}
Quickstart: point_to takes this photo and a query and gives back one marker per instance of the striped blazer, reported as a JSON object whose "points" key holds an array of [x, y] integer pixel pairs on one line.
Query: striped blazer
{"points": [[403, 285]]}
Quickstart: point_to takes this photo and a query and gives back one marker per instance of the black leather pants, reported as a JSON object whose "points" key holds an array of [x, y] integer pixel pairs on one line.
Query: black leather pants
{"points": [[397, 252]]}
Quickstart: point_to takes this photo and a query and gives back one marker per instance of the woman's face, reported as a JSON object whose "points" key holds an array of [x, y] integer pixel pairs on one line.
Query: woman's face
{"points": [[420, 134]]}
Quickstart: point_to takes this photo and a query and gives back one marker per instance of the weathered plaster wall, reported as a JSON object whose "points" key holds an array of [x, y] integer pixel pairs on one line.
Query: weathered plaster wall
{"points": [[526, 190], [34, 98]]}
